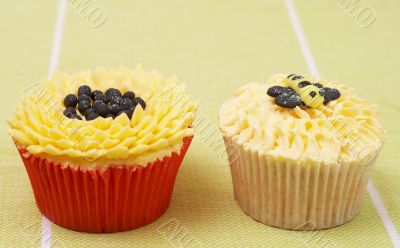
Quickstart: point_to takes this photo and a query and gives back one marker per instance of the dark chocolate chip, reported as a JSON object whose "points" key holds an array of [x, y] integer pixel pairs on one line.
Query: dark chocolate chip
{"points": [[115, 99], [113, 92], [89, 111], [92, 116], [83, 97], [103, 110], [76, 117], [115, 108], [83, 106], [70, 101], [95, 93], [68, 112], [140, 101], [85, 90], [129, 113], [101, 97], [110, 116], [127, 103], [312, 93], [129, 95], [97, 102]]}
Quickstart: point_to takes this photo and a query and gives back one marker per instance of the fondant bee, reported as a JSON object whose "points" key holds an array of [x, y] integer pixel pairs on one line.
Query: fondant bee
{"points": [[309, 93], [298, 91]]}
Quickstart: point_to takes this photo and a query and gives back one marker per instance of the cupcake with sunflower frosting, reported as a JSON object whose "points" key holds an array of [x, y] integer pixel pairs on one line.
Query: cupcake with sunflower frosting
{"points": [[300, 150], [102, 148]]}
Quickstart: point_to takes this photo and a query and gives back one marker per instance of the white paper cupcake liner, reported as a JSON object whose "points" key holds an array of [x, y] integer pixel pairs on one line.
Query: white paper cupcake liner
{"points": [[294, 195]]}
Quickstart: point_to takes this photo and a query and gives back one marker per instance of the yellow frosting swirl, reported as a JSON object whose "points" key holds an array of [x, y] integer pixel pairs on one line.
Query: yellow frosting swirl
{"points": [[345, 130], [40, 127]]}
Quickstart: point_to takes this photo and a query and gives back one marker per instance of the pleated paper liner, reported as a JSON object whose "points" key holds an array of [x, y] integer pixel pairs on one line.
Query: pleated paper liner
{"points": [[296, 196], [117, 199]]}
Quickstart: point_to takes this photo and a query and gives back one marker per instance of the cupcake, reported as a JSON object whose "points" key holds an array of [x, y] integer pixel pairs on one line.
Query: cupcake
{"points": [[102, 148], [300, 150]]}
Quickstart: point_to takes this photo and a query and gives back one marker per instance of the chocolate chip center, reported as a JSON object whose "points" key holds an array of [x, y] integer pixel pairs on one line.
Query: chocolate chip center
{"points": [[95, 104]]}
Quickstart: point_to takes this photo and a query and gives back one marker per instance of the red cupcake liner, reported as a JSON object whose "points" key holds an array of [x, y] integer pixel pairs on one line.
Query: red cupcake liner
{"points": [[117, 199]]}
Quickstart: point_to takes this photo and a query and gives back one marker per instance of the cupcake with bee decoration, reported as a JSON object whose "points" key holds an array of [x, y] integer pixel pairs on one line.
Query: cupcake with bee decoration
{"points": [[102, 147], [300, 150]]}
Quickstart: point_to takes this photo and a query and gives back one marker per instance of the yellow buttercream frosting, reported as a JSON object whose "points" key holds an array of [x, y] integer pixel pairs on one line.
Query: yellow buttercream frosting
{"points": [[345, 130], [40, 127]]}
